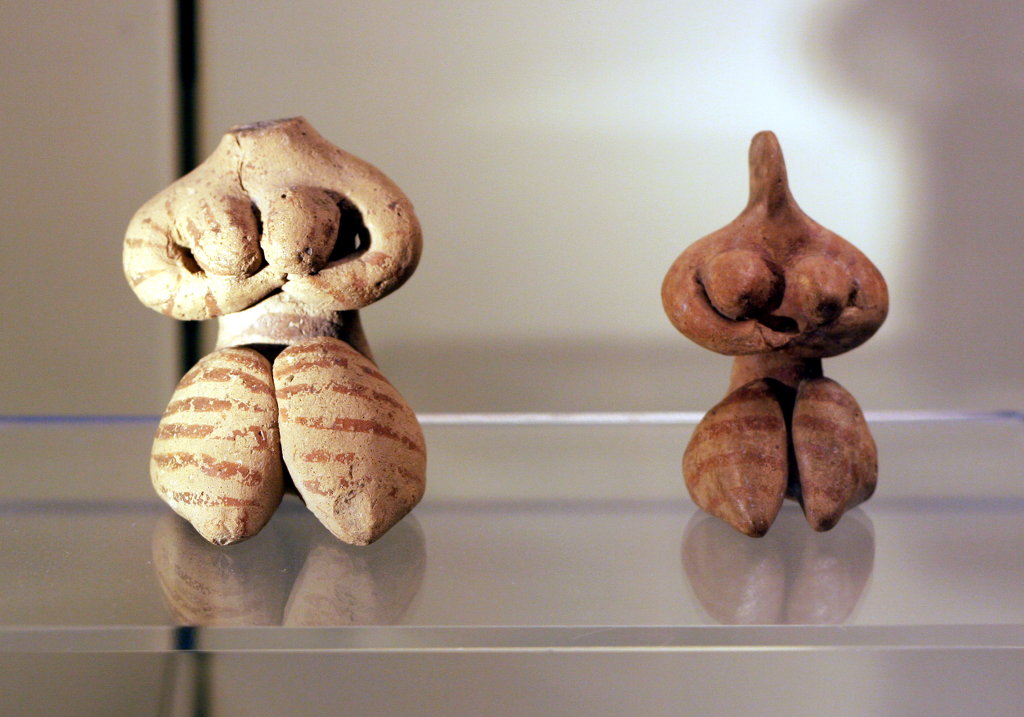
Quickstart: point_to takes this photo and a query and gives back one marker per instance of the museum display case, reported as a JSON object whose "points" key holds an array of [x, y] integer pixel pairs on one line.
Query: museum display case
{"points": [[557, 549]]}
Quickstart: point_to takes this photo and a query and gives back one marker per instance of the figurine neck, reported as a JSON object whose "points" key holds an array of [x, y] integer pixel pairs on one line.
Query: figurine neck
{"points": [[789, 370], [279, 320]]}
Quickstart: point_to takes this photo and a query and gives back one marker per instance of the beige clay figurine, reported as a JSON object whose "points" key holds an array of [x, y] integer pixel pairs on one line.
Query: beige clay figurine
{"points": [[779, 292], [284, 237]]}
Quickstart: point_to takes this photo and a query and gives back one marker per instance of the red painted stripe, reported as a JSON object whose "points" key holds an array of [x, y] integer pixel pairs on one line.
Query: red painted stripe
{"points": [[223, 375], [242, 357], [321, 456], [210, 466], [283, 369], [355, 425], [341, 388], [746, 424], [202, 404], [203, 499], [183, 430], [370, 371], [737, 458]]}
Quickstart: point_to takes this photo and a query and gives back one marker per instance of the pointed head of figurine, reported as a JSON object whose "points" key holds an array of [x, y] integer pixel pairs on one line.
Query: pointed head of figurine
{"points": [[774, 280]]}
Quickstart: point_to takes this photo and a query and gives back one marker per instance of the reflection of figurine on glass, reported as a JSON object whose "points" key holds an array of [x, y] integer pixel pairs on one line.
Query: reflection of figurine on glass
{"points": [[283, 236], [791, 576], [293, 573], [779, 292]]}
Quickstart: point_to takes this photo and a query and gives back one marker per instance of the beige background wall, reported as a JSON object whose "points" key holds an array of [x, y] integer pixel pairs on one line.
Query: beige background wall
{"points": [[560, 155], [86, 135]]}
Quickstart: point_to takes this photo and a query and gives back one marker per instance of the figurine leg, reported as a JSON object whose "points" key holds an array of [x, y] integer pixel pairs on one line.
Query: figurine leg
{"points": [[736, 464], [216, 457], [352, 445], [837, 461]]}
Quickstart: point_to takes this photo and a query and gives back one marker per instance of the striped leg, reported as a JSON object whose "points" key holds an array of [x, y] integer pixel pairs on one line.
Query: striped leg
{"points": [[352, 445], [216, 457], [835, 454], [736, 464]]}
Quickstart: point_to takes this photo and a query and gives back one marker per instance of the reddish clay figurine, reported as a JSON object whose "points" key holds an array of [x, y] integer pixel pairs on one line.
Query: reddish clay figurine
{"points": [[779, 292]]}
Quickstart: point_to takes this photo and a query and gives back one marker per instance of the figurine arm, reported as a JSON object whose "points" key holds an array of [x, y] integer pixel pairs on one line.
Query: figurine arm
{"points": [[690, 310], [317, 200], [388, 254], [167, 275]]}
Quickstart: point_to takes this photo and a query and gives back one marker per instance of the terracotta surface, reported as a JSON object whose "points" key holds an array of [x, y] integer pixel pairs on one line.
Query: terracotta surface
{"points": [[780, 292], [284, 237], [353, 447]]}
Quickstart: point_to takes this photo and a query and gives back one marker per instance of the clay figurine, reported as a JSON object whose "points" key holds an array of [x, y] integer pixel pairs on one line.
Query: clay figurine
{"points": [[779, 292], [283, 236]]}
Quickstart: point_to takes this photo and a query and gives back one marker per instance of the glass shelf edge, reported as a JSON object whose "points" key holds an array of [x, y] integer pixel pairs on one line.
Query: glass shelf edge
{"points": [[413, 639], [582, 418]]}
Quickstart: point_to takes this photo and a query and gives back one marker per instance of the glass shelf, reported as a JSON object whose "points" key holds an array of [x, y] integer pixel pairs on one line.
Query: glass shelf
{"points": [[541, 535]]}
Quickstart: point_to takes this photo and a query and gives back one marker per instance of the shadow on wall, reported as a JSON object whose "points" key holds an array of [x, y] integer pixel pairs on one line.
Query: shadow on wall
{"points": [[955, 73], [951, 77]]}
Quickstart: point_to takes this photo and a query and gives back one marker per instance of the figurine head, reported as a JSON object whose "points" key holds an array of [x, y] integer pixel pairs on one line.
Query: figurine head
{"points": [[276, 207], [774, 280]]}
